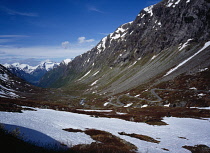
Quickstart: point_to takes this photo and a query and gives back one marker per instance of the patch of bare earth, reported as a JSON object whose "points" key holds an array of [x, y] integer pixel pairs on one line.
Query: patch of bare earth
{"points": [[198, 148], [141, 137], [105, 143]]}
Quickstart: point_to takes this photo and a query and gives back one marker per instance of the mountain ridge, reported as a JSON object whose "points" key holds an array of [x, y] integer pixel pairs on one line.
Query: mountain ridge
{"points": [[32, 74], [161, 37]]}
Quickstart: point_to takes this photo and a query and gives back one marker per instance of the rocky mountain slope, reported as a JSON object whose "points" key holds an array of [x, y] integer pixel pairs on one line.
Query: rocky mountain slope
{"points": [[31, 74], [12, 86], [165, 41]]}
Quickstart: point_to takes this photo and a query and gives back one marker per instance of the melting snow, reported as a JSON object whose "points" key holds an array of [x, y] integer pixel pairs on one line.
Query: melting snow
{"points": [[94, 83], [184, 45], [96, 73], [105, 104], [201, 94], [45, 126], [153, 57], [4, 77], [144, 106], [171, 3], [167, 105], [202, 70], [128, 105], [185, 61], [84, 75]]}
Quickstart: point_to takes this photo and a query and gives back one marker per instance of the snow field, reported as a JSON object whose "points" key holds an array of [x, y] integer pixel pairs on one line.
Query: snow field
{"points": [[51, 123]]}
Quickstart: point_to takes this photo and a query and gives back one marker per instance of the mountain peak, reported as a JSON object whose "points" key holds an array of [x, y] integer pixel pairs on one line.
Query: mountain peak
{"points": [[66, 61]]}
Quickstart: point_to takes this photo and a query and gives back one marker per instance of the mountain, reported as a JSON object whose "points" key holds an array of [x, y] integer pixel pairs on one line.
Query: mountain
{"points": [[31, 74], [164, 44], [12, 86]]}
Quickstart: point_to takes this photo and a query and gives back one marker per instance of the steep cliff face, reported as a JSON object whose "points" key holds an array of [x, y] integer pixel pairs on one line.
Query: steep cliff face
{"points": [[164, 41]]}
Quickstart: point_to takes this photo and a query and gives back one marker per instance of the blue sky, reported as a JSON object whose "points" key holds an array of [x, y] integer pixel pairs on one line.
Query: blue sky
{"points": [[36, 30]]}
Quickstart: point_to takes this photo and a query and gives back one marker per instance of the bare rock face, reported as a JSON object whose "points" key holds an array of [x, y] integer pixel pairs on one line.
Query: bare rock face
{"points": [[161, 37]]}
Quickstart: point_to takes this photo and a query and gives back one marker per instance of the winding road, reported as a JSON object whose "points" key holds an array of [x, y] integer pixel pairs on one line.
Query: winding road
{"points": [[159, 99]]}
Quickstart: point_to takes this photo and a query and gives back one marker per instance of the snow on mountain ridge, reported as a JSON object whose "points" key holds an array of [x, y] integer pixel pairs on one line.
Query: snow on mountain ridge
{"points": [[66, 61], [48, 65]]}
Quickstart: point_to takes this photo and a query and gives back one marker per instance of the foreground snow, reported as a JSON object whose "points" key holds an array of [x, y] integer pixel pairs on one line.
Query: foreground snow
{"points": [[45, 126]]}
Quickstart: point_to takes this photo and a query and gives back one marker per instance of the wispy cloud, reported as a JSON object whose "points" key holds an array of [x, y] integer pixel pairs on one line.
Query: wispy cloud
{"points": [[13, 36], [42, 52], [93, 8], [14, 12], [5, 40], [65, 44], [105, 34], [84, 40]]}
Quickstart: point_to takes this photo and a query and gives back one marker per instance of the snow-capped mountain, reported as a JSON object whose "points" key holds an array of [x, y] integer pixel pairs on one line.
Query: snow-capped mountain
{"points": [[166, 40], [66, 61], [31, 74], [11, 86]]}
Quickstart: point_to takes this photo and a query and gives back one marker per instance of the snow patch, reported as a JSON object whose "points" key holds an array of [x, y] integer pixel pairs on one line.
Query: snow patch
{"points": [[4, 77], [132, 64], [105, 104], [149, 10], [171, 3], [193, 88], [185, 61], [167, 105], [201, 95], [202, 70], [96, 73], [94, 83], [128, 105], [66, 61], [50, 123], [144, 106], [181, 47], [84, 75]]}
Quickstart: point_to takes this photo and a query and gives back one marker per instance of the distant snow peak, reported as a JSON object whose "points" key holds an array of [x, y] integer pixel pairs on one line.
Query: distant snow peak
{"points": [[47, 64], [66, 61], [24, 67]]}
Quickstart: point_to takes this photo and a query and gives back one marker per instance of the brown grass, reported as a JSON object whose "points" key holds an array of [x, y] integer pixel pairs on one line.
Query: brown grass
{"points": [[198, 149], [141, 137], [105, 141]]}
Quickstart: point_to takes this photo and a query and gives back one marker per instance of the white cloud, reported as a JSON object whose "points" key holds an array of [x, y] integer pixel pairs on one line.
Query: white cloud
{"points": [[84, 40], [93, 8], [42, 52], [65, 44]]}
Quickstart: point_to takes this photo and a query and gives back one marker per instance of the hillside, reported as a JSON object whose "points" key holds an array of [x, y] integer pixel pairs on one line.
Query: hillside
{"points": [[165, 41]]}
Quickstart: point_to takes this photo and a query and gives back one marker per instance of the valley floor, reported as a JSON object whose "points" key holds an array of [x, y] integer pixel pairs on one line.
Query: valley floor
{"points": [[45, 126]]}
